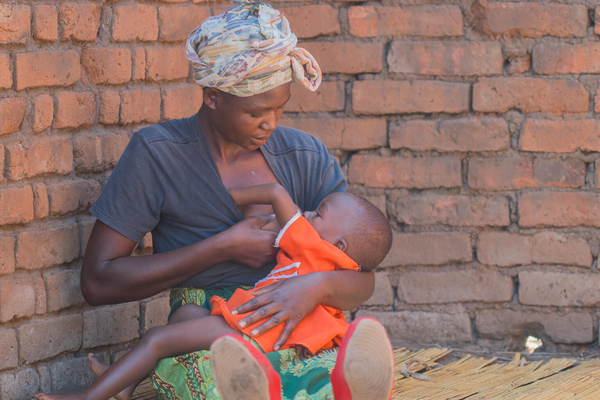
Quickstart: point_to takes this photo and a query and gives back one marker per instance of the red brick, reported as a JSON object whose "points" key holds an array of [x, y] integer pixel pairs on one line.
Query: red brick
{"points": [[553, 248], [395, 172], [176, 22], [9, 358], [166, 63], [79, 21], [75, 109], [559, 209], [103, 65], [16, 205], [12, 111], [530, 95], [423, 326], [43, 112], [45, 22], [1, 162], [330, 96], [519, 65], [140, 106], [5, 73], [504, 249], [63, 289], [40, 295], [47, 68], [47, 338], [532, 19], [41, 208], [309, 21], [566, 58], [34, 157], [74, 195], [502, 324], [518, 172], [421, 20], [72, 372], [7, 255], [97, 153], [139, 63], [110, 102], [85, 230], [597, 18], [597, 165], [47, 248], [560, 136], [422, 286], [181, 102], [429, 249], [155, 313], [135, 22], [453, 58], [111, 325], [454, 210], [19, 384], [343, 133], [383, 295], [340, 57], [402, 97], [14, 23], [17, 297], [464, 134], [544, 288]]}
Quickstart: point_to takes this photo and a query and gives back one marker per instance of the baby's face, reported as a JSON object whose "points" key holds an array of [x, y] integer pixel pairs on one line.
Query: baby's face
{"points": [[329, 219]]}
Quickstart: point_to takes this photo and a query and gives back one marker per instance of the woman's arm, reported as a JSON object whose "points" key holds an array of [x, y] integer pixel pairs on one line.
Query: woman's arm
{"points": [[290, 300], [110, 275]]}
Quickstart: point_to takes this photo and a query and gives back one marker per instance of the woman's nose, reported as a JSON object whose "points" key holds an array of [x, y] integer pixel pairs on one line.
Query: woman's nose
{"points": [[270, 122]]}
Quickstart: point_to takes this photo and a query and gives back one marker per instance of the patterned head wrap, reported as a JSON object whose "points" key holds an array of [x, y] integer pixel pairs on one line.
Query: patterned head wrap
{"points": [[249, 50]]}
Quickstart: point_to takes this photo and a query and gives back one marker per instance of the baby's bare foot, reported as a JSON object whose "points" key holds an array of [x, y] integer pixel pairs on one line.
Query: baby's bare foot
{"points": [[97, 366], [59, 396]]}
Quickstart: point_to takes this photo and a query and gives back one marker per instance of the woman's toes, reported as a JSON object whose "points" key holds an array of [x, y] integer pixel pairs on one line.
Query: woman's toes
{"points": [[97, 366]]}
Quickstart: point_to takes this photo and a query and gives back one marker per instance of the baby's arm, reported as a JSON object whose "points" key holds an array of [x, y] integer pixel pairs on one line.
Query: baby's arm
{"points": [[269, 193]]}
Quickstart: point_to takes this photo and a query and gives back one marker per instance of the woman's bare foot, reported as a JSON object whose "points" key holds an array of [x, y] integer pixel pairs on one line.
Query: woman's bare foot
{"points": [[59, 396], [99, 368]]}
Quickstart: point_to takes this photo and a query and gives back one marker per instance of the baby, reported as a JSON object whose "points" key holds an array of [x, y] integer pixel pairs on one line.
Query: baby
{"points": [[344, 232]]}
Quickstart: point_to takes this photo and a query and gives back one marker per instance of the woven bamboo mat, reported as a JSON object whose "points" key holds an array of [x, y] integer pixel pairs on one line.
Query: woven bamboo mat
{"points": [[475, 378]]}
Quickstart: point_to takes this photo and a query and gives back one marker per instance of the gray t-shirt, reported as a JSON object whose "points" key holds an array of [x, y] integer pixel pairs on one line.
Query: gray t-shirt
{"points": [[167, 183]]}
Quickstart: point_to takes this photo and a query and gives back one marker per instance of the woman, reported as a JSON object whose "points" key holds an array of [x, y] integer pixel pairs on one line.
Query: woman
{"points": [[173, 180]]}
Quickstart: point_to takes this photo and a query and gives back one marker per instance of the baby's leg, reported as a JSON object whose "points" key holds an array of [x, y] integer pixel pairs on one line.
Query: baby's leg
{"points": [[158, 343], [183, 313]]}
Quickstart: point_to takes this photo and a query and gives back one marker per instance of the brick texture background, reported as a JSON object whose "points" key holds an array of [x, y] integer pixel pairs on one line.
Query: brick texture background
{"points": [[472, 124]]}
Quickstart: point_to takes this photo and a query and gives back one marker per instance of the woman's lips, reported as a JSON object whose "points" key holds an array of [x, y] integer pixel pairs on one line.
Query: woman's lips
{"points": [[260, 139]]}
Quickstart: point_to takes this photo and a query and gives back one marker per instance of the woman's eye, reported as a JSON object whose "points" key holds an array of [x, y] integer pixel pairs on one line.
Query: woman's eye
{"points": [[254, 115]]}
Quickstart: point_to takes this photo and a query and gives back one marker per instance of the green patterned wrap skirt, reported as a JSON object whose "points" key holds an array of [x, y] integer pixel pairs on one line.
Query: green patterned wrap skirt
{"points": [[189, 376]]}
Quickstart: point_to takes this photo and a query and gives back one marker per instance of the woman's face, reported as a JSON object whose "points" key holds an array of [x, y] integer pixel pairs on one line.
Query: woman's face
{"points": [[249, 121]]}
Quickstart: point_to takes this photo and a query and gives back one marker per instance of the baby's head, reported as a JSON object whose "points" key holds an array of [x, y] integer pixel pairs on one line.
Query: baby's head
{"points": [[353, 225]]}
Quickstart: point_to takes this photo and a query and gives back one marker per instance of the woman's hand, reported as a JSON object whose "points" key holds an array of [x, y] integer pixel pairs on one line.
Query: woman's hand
{"points": [[287, 301], [249, 244]]}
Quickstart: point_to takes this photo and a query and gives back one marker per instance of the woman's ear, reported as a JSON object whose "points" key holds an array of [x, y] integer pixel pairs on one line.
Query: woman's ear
{"points": [[209, 97], [341, 244]]}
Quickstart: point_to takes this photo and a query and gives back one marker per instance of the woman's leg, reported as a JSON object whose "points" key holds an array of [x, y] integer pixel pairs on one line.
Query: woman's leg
{"points": [[161, 342]]}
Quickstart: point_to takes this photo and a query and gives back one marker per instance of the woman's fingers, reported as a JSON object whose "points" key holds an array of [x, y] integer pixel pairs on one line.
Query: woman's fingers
{"points": [[266, 289], [270, 323], [289, 327], [260, 314]]}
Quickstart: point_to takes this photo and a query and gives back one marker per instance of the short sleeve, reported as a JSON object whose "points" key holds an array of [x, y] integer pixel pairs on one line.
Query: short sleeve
{"points": [[132, 198], [297, 236], [330, 175]]}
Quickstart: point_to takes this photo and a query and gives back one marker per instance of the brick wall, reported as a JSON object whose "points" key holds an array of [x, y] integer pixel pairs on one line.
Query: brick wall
{"points": [[471, 124]]}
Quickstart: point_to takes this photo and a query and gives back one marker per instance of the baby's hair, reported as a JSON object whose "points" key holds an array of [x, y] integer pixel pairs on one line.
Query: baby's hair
{"points": [[369, 235]]}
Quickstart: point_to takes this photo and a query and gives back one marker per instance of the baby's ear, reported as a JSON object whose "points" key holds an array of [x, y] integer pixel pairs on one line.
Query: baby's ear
{"points": [[341, 244]]}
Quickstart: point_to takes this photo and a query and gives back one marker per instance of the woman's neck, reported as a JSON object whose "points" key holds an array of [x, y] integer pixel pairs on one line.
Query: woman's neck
{"points": [[223, 150]]}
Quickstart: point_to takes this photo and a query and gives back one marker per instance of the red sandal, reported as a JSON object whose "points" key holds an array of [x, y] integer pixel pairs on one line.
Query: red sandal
{"points": [[242, 372], [364, 369]]}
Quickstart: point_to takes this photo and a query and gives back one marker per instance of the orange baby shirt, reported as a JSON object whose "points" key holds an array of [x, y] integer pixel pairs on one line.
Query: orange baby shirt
{"points": [[301, 252]]}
